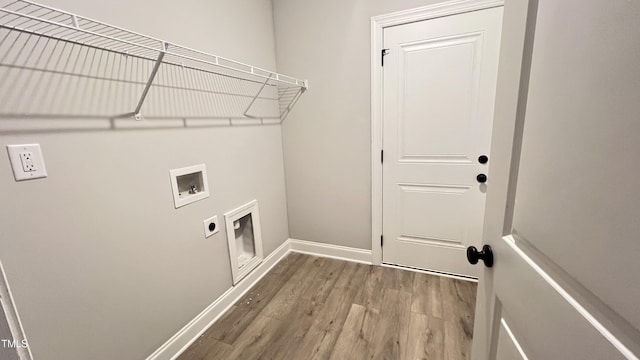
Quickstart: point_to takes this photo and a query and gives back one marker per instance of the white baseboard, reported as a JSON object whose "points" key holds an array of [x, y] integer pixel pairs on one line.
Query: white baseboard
{"points": [[331, 251], [196, 327], [178, 343]]}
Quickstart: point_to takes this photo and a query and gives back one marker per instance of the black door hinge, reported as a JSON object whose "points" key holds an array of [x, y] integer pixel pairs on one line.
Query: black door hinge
{"points": [[383, 53], [381, 240], [381, 156]]}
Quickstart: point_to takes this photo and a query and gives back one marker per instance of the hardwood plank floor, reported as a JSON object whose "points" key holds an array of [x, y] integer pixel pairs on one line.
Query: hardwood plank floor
{"points": [[309, 307]]}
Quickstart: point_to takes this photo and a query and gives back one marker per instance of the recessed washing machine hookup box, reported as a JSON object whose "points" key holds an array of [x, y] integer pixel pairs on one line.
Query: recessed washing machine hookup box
{"points": [[189, 184]]}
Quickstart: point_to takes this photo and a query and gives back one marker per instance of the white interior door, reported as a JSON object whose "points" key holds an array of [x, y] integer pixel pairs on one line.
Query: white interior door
{"points": [[565, 280], [439, 80]]}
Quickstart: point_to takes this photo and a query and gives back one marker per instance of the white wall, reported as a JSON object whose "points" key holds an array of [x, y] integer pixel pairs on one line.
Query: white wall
{"points": [[327, 136], [101, 265]]}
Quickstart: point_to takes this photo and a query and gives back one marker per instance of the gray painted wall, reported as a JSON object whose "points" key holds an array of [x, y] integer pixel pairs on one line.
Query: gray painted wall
{"points": [[101, 265], [327, 137]]}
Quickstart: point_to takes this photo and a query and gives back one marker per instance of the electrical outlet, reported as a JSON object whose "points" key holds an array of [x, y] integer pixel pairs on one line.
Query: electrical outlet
{"points": [[27, 161], [211, 226]]}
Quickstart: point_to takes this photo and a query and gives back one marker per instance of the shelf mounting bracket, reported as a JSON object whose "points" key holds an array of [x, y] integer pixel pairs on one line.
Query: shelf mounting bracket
{"points": [[152, 76], [256, 97], [286, 111]]}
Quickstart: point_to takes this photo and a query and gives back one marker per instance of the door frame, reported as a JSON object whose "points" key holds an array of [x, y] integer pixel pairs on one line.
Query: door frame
{"points": [[13, 320], [378, 24]]}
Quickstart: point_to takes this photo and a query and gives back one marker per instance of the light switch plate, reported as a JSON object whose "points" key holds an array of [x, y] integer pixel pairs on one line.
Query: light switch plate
{"points": [[209, 221], [27, 161]]}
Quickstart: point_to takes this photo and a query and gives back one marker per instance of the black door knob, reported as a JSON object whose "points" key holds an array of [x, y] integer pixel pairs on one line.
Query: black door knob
{"points": [[486, 255], [482, 159], [482, 178]]}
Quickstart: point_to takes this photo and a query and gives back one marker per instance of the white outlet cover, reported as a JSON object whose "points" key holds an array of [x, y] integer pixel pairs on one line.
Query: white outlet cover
{"points": [[16, 163], [214, 220]]}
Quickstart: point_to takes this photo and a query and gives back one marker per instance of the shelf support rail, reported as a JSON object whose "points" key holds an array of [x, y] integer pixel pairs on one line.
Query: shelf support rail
{"points": [[152, 76]]}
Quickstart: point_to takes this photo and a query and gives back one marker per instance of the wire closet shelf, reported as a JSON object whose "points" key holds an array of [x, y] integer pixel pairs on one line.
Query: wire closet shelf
{"points": [[57, 64]]}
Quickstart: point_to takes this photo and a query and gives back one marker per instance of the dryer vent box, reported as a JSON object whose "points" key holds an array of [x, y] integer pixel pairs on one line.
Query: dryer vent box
{"points": [[189, 184], [245, 239]]}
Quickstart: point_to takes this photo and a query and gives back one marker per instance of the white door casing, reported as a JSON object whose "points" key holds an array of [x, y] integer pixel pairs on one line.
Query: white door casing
{"points": [[13, 343], [438, 95], [563, 222]]}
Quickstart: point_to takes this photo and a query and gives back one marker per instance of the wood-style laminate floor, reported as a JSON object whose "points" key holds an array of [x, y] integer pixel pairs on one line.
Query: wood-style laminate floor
{"points": [[309, 307]]}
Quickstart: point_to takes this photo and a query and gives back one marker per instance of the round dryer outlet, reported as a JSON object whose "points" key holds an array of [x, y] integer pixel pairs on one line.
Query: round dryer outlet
{"points": [[211, 226]]}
